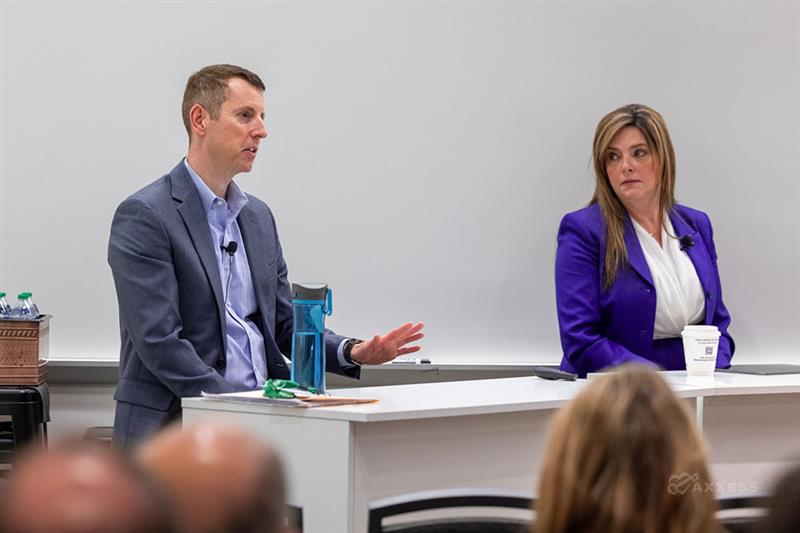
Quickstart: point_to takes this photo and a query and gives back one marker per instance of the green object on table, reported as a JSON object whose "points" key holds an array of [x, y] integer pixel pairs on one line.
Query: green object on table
{"points": [[276, 388]]}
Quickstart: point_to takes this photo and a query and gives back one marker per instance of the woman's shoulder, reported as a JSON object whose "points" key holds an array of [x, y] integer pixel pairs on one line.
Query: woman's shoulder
{"points": [[588, 213], [586, 224], [589, 217]]}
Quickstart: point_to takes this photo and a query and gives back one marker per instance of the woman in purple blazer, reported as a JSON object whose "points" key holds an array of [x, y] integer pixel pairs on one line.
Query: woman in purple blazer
{"points": [[633, 268]]}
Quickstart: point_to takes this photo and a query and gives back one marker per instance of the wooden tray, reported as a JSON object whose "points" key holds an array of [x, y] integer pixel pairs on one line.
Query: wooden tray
{"points": [[24, 349]]}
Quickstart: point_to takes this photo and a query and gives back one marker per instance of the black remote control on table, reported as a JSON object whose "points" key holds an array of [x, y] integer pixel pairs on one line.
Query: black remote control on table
{"points": [[545, 372]]}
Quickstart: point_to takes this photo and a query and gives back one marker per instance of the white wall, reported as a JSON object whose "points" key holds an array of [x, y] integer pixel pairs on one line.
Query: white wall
{"points": [[435, 145]]}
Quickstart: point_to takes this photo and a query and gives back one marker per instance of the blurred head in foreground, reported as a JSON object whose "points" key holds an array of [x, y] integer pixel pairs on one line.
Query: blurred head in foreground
{"points": [[784, 506], [219, 478], [624, 456], [76, 487]]}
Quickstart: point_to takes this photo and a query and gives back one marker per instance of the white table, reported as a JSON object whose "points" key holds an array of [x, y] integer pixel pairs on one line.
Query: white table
{"points": [[752, 426], [485, 433], [489, 433]]}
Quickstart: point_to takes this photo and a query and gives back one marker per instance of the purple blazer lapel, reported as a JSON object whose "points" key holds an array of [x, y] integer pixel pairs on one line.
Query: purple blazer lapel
{"points": [[698, 253], [635, 253]]}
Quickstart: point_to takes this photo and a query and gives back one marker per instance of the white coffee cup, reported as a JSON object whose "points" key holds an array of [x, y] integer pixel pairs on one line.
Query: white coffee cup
{"points": [[700, 345]]}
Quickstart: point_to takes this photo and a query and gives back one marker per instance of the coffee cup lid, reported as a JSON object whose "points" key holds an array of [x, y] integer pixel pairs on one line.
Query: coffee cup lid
{"points": [[700, 328]]}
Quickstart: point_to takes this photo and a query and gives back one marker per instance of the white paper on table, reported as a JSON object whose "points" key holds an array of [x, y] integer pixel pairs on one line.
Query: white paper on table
{"points": [[309, 400]]}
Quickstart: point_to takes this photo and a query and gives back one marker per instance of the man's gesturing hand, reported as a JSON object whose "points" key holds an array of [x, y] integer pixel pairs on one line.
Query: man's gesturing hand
{"points": [[382, 348]]}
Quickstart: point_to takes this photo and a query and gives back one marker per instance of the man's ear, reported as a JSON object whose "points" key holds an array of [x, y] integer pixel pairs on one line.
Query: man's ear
{"points": [[198, 120]]}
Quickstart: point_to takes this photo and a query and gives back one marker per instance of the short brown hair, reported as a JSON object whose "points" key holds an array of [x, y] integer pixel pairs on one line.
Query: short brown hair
{"points": [[219, 477], [209, 88], [784, 505], [654, 128], [117, 490], [625, 456]]}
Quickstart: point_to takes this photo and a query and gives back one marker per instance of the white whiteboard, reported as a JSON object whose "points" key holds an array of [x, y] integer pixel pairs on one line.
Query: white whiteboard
{"points": [[436, 146]]}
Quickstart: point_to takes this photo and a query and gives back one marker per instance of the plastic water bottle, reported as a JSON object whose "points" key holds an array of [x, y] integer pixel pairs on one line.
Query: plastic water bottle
{"points": [[310, 305], [25, 307], [5, 309], [34, 307]]}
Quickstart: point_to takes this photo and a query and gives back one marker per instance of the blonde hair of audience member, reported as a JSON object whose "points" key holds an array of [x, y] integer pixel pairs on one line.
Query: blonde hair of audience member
{"points": [[654, 129], [624, 456], [77, 487], [219, 478]]}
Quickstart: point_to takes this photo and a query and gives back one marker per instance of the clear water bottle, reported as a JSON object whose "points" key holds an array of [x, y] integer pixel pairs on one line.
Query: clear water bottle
{"points": [[34, 307], [311, 303], [5, 309], [25, 308]]}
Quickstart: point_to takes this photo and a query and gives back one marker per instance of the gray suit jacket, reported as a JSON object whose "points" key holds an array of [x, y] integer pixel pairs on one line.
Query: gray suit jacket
{"points": [[172, 322]]}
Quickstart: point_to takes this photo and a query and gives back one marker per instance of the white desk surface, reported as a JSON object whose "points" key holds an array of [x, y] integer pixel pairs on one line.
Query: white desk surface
{"points": [[729, 384], [434, 400]]}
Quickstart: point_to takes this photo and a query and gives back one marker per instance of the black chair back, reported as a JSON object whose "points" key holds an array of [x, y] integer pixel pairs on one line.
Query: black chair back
{"points": [[453, 499], [741, 514]]}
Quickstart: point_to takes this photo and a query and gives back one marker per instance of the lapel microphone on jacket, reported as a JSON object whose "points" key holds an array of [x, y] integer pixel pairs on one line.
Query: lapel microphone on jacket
{"points": [[686, 242], [233, 246]]}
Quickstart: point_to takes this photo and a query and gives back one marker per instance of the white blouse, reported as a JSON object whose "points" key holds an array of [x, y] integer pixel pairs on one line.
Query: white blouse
{"points": [[679, 295]]}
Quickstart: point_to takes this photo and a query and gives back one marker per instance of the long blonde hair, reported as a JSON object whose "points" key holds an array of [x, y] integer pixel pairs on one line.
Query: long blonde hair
{"points": [[654, 129], [625, 457]]}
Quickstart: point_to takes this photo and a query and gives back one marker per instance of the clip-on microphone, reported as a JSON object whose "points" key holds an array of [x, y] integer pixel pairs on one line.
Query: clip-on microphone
{"points": [[686, 242], [231, 249]]}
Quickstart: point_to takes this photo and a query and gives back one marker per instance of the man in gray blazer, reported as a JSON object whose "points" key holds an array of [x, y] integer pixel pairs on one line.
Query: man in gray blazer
{"points": [[204, 301]]}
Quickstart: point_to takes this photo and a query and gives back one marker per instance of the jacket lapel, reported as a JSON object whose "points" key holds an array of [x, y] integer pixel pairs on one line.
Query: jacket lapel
{"points": [[191, 210], [635, 253], [697, 252]]}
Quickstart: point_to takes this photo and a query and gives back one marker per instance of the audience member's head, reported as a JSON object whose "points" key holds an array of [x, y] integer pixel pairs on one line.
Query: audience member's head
{"points": [[624, 456], [219, 478], [79, 487], [784, 506]]}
